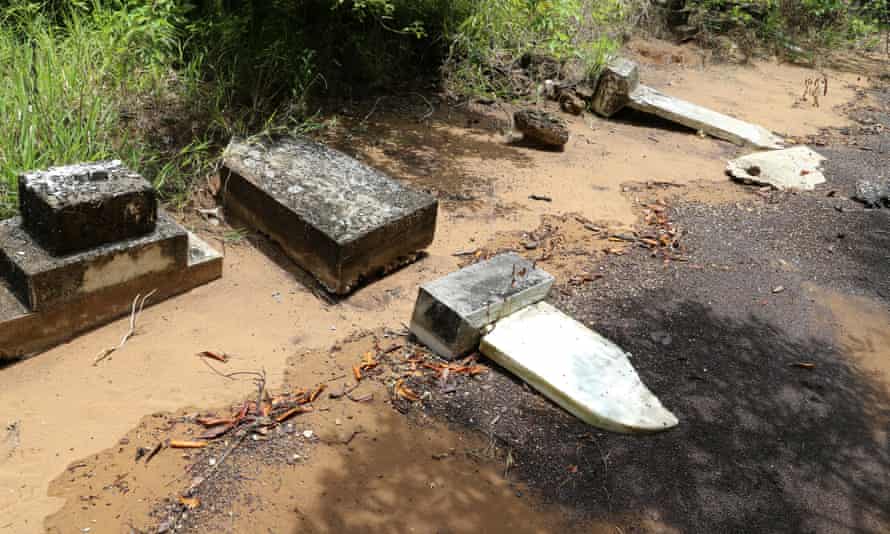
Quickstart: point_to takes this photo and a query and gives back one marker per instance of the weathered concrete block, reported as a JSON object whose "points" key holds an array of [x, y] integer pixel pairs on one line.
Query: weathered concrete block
{"points": [[451, 312], [77, 207], [620, 77], [334, 216], [703, 119], [24, 332], [585, 373], [42, 280]]}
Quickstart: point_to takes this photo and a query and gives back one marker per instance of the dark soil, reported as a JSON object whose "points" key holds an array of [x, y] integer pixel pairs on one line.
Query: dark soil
{"points": [[763, 445]]}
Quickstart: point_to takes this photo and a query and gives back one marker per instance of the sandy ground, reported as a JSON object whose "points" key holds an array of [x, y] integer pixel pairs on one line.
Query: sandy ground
{"points": [[62, 410]]}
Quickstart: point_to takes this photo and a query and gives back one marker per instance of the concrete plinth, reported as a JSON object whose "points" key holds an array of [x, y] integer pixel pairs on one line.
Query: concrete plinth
{"points": [[76, 207], [451, 312], [581, 371], [698, 118], [24, 332], [42, 280], [620, 77], [334, 216]]}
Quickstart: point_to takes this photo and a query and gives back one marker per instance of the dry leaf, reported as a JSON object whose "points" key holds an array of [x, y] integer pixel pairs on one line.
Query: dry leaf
{"points": [[357, 373], [183, 444], [190, 502], [292, 412], [217, 431], [213, 421], [218, 356], [317, 392]]}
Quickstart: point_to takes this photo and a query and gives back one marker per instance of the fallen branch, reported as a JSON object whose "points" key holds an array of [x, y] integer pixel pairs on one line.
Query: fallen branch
{"points": [[134, 313]]}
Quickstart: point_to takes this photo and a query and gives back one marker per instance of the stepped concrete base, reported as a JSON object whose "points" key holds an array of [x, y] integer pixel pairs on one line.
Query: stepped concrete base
{"points": [[23, 332], [78, 207], [451, 312], [337, 218], [699, 118], [44, 281], [581, 371]]}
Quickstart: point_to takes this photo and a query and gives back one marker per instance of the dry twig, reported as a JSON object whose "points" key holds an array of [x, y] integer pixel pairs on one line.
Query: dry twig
{"points": [[134, 313]]}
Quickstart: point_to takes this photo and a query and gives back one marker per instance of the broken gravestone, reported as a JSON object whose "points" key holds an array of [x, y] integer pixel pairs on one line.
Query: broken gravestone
{"points": [[89, 239], [451, 312], [541, 127], [336, 217], [791, 168], [873, 193], [581, 371], [619, 87]]}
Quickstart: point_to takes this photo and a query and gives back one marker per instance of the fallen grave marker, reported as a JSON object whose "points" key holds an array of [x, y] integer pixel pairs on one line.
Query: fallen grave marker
{"points": [[791, 168], [336, 217], [619, 87]]}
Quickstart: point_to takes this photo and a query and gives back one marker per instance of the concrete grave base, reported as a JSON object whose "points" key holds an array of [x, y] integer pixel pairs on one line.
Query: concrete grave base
{"points": [[581, 371], [42, 280], [337, 218], [450, 312], [24, 332]]}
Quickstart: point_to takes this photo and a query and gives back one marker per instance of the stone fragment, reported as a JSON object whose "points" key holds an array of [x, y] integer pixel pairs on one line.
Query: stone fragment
{"points": [[873, 193], [581, 371], [76, 207], [336, 217], [620, 77], [541, 127], [450, 312], [698, 118], [42, 280], [570, 103], [792, 168]]}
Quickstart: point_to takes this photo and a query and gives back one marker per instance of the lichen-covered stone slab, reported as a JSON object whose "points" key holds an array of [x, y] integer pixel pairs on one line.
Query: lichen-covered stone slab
{"points": [[73, 208], [581, 371], [42, 280], [620, 77], [336, 217], [451, 312], [702, 119], [797, 167]]}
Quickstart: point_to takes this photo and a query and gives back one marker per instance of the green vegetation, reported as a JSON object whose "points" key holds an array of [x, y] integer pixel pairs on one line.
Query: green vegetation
{"points": [[800, 29], [162, 84]]}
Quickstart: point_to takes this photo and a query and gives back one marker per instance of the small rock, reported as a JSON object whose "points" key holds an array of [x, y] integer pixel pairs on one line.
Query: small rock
{"points": [[873, 193], [778, 289], [570, 103], [530, 245], [541, 127], [308, 434]]}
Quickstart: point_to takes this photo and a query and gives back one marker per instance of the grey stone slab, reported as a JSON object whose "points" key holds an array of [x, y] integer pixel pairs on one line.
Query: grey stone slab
{"points": [[578, 369], [77, 207], [42, 280], [336, 217], [699, 118], [24, 332], [451, 312], [792, 168], [620, 77]]}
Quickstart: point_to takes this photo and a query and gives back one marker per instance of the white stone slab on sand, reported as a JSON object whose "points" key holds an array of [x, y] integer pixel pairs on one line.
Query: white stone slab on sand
{"points": [[585, 373], [792, 168], [693, 116]]}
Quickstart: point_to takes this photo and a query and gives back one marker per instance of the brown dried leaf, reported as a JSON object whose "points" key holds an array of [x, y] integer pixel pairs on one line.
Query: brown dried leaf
{"points": [[217, 431], [292, 412], [190, 502], [185, 444], [218, 356]]}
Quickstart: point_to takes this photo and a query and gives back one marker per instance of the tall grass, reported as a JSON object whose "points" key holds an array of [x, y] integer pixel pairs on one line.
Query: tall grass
{"points": [[63, 86]]}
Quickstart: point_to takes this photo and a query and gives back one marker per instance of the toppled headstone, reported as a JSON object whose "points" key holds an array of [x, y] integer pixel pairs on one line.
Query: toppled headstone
{"points": [[581, 371], [75, 207], [619, 87], [617, 81], [336, 217], [873, 193], [702, 119], [451, 312], [791, 168], [541, 127], [42, 280]]}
